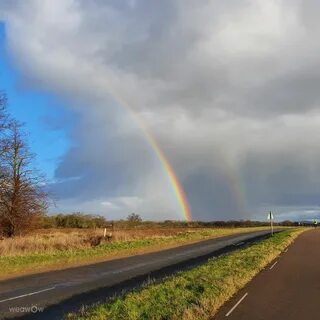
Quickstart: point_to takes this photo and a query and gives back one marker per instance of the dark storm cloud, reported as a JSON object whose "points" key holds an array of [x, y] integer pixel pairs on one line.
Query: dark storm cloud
{"points": [[113, 163], [210, 195]]}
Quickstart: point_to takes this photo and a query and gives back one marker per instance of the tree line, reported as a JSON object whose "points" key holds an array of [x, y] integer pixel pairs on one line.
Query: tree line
{"points": [[73, 220], [23, 196], [82, 220]]}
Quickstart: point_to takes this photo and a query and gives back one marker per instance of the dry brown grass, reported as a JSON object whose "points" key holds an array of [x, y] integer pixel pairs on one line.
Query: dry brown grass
{"points": [[48, 240]]}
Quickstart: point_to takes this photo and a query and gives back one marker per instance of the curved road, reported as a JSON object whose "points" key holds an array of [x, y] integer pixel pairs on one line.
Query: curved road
{"points": [[48, 295], [287, 289]]}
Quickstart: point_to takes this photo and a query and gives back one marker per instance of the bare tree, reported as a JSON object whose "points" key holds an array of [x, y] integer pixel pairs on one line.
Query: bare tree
{"points": [[3, 127], [3, 112], [22, 196], [4, 120]]}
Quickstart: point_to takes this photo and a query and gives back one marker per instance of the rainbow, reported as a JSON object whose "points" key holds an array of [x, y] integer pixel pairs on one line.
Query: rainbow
{"points": [[228, 170], [234, 181], [173, 179]]}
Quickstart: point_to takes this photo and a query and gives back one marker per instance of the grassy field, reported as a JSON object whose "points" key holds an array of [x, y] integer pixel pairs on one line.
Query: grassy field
{"points": [[52, 240], [195, 294], [56, 250]]}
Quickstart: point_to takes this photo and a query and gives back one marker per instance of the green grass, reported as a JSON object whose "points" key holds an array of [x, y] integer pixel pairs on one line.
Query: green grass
{"points": [[195, 294], [12, 265]]}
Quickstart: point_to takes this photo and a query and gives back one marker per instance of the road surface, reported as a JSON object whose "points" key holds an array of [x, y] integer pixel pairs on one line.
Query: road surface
{"points": [[66, 290], [288, 289]]}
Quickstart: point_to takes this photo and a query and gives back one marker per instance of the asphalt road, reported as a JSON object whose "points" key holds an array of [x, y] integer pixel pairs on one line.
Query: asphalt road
{"points": [[49, 295], [288, 289]]}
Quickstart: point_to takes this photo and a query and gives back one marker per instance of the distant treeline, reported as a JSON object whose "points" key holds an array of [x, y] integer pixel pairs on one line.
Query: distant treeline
{"points": [[81, 220], [74, 220]]}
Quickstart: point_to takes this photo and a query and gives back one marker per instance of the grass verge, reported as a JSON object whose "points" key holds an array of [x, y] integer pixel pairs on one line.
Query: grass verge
{"points": [[13, 265], [195, 294]]}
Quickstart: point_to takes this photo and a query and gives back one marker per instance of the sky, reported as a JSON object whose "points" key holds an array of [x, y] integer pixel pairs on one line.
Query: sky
{"points": [[228, 90], [35, 110]]}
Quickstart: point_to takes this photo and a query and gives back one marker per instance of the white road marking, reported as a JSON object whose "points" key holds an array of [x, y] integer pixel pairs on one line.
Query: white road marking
{"points": [[180, 254], [273, 265], [128, 268], [232, 309], [27, 294]]}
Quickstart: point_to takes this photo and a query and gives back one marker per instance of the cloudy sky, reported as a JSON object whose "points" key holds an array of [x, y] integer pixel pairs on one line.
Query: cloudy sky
{"points": [[230, 90]]}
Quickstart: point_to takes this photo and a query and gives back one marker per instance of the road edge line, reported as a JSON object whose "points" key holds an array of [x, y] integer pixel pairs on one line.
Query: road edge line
{"points": [[236, 305]]}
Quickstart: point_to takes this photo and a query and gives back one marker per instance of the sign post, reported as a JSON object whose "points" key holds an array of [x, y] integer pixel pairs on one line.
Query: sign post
{"points": [[270, 217]]}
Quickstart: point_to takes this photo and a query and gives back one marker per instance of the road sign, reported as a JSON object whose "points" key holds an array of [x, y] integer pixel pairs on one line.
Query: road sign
{"points": [[270, 217]]}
